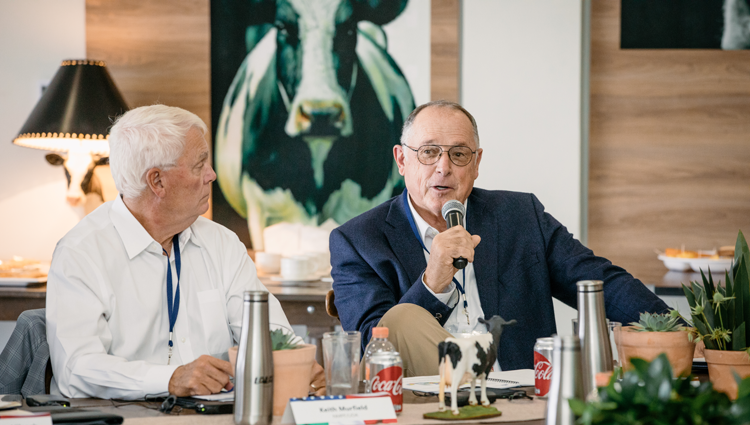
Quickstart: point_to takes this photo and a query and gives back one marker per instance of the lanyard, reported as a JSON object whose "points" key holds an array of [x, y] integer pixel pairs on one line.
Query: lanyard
{"points": [[414, 229], [173, 306]]}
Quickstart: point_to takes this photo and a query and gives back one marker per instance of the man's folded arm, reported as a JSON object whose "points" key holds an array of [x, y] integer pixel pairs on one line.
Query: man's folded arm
{"points": [[363, 296], [569, 261], [78, 335]]}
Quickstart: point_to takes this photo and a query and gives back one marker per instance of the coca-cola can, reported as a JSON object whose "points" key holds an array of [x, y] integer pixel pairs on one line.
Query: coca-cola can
{"points": [[387, 373], [542, 366]]}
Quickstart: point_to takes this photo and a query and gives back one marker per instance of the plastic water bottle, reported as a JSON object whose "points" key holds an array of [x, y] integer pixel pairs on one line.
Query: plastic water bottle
{"points": [[378, 343]]}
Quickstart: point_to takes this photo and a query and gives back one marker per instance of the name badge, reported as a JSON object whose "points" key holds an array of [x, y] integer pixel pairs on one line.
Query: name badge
{"points": [[357, 409]]}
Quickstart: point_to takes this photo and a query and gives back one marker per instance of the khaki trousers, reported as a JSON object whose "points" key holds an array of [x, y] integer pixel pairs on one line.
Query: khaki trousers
{"points": [[416, 334]]}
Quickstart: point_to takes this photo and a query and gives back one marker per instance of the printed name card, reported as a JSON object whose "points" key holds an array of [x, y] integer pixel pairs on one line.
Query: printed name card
{"points": [[22, 417], [357, 409]]}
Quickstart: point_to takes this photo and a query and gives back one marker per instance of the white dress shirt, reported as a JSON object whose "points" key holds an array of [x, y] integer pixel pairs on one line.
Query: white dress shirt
{"points": [[107, 321], [456, 323]]}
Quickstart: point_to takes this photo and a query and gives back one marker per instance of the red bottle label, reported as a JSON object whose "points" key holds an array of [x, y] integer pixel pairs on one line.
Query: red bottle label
{"points": [[388, 381], [542, 374]]}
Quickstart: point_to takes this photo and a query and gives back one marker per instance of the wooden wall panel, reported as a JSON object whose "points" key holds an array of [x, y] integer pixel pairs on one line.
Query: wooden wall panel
{"points": [[445, 35], [669, 148], [156, 51]]}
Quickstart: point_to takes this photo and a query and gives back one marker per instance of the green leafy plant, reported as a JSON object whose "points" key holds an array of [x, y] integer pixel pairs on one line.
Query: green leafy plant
{"points": [[282, 341], [721, 314], [648, 395], [657, 322]]}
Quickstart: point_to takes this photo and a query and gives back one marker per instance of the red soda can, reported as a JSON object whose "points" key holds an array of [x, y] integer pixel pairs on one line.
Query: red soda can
{"points": [[386, 375], [542, 366]]}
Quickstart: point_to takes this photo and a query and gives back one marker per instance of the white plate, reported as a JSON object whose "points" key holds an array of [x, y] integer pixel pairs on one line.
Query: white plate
{"points": [[716, 265], [676, 264], [21, 281], [296, 279]]}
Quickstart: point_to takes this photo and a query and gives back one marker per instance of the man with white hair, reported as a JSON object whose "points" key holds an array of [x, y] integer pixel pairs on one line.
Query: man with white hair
{"points": [[144, 296]]}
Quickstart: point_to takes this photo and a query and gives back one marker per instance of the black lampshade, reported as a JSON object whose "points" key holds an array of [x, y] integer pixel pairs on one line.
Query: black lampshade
{"points": [[76, 110]]}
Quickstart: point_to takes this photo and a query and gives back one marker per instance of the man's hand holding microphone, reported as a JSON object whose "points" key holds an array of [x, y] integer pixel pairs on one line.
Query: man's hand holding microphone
{"points": [[451, 250]]}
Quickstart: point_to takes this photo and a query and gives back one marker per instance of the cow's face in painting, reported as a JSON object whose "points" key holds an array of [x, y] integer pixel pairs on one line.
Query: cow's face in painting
{"points": [[316, 60]]}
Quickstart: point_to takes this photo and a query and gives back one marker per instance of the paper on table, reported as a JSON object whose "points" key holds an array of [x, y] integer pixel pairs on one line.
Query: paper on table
{"points": [[222, 396], [497, 380]]}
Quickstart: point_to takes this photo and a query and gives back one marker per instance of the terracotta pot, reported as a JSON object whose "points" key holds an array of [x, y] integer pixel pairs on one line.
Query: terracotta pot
{"points": [[292, 374], [648, 346], [292, 370], [720, 366]]}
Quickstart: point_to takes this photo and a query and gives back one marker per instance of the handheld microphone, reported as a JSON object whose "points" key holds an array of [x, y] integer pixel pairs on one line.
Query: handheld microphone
{"points": [[453, 213]]}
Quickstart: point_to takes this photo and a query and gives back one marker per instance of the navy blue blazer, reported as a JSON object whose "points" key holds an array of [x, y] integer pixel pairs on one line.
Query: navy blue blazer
{"points": [[525, 258]]}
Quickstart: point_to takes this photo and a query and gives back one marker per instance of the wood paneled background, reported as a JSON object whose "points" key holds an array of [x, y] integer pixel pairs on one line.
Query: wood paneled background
{"points": [[445, 36], [669, 148], [156, 51], [159, 51], [669, 131]]}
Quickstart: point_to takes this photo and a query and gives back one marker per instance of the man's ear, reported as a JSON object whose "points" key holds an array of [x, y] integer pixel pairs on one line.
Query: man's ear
{"points": [[479, 159], [155, 181], [398, 155]]}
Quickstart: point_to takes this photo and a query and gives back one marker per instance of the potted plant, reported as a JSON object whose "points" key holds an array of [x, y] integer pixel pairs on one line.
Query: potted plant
{"points": [[648, 394], [292, 368], [721, 319], [654, 334]]}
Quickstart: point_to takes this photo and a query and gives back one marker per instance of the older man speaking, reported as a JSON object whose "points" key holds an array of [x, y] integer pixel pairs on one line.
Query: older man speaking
{"points": [[393, 265], [144, 295]]}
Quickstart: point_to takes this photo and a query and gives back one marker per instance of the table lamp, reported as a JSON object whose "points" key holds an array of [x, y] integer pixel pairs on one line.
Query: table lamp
{"points": [[72, 119]]}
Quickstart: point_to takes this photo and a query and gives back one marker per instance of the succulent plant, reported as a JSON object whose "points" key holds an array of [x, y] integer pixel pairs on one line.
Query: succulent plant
{"points": [[282, 341], [657, 322], [721, 313]]}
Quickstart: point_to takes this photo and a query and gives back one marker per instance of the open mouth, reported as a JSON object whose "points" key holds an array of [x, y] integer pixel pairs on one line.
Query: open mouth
{"points": [[442, 188]]}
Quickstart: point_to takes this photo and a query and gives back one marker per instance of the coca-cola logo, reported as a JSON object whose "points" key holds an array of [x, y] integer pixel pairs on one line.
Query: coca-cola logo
{"points": [[543, 370], [542, 375], [388, 381]]}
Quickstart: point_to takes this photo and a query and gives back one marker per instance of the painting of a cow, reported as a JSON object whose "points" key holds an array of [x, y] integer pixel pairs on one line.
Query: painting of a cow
{"points": [[306, 129], [685, 24], [468, 359]]}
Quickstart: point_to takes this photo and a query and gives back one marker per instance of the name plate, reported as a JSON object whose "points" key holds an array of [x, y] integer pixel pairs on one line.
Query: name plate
{"points": [[357, 409], [22, 417]]}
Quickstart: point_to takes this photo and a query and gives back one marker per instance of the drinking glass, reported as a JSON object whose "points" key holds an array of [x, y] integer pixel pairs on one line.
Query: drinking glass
{"points": [[614, 338], [341, 357]]}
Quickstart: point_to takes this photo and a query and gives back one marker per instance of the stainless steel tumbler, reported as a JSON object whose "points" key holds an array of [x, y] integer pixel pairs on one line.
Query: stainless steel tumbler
{"points": [[596, 351], [566, 382], [253, 377]]}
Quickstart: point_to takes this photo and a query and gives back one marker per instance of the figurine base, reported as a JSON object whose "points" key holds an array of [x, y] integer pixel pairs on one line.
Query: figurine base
{"points": [[464, 413]]}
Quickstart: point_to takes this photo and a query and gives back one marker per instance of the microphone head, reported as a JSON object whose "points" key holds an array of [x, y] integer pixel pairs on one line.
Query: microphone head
{"points": [[453, 205]]}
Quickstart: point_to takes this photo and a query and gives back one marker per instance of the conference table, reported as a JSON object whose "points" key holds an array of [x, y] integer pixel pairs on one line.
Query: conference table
{"points": [[517, 411], [304, 304]]}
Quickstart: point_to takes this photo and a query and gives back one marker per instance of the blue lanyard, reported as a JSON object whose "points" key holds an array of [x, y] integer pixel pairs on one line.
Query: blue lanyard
{"points": [[414, 229], [173, 306]]}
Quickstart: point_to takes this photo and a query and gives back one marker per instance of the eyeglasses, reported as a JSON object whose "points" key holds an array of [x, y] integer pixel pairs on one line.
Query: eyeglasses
{"points": [[519, 394], [430, 154]]}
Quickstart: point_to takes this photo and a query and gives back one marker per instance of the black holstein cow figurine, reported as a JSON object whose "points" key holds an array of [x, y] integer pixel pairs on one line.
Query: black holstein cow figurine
{"points": [[469, 359]]}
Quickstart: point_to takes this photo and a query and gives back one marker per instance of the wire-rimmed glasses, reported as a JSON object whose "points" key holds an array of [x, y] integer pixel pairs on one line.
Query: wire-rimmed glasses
{"points": [[430, 154]]}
